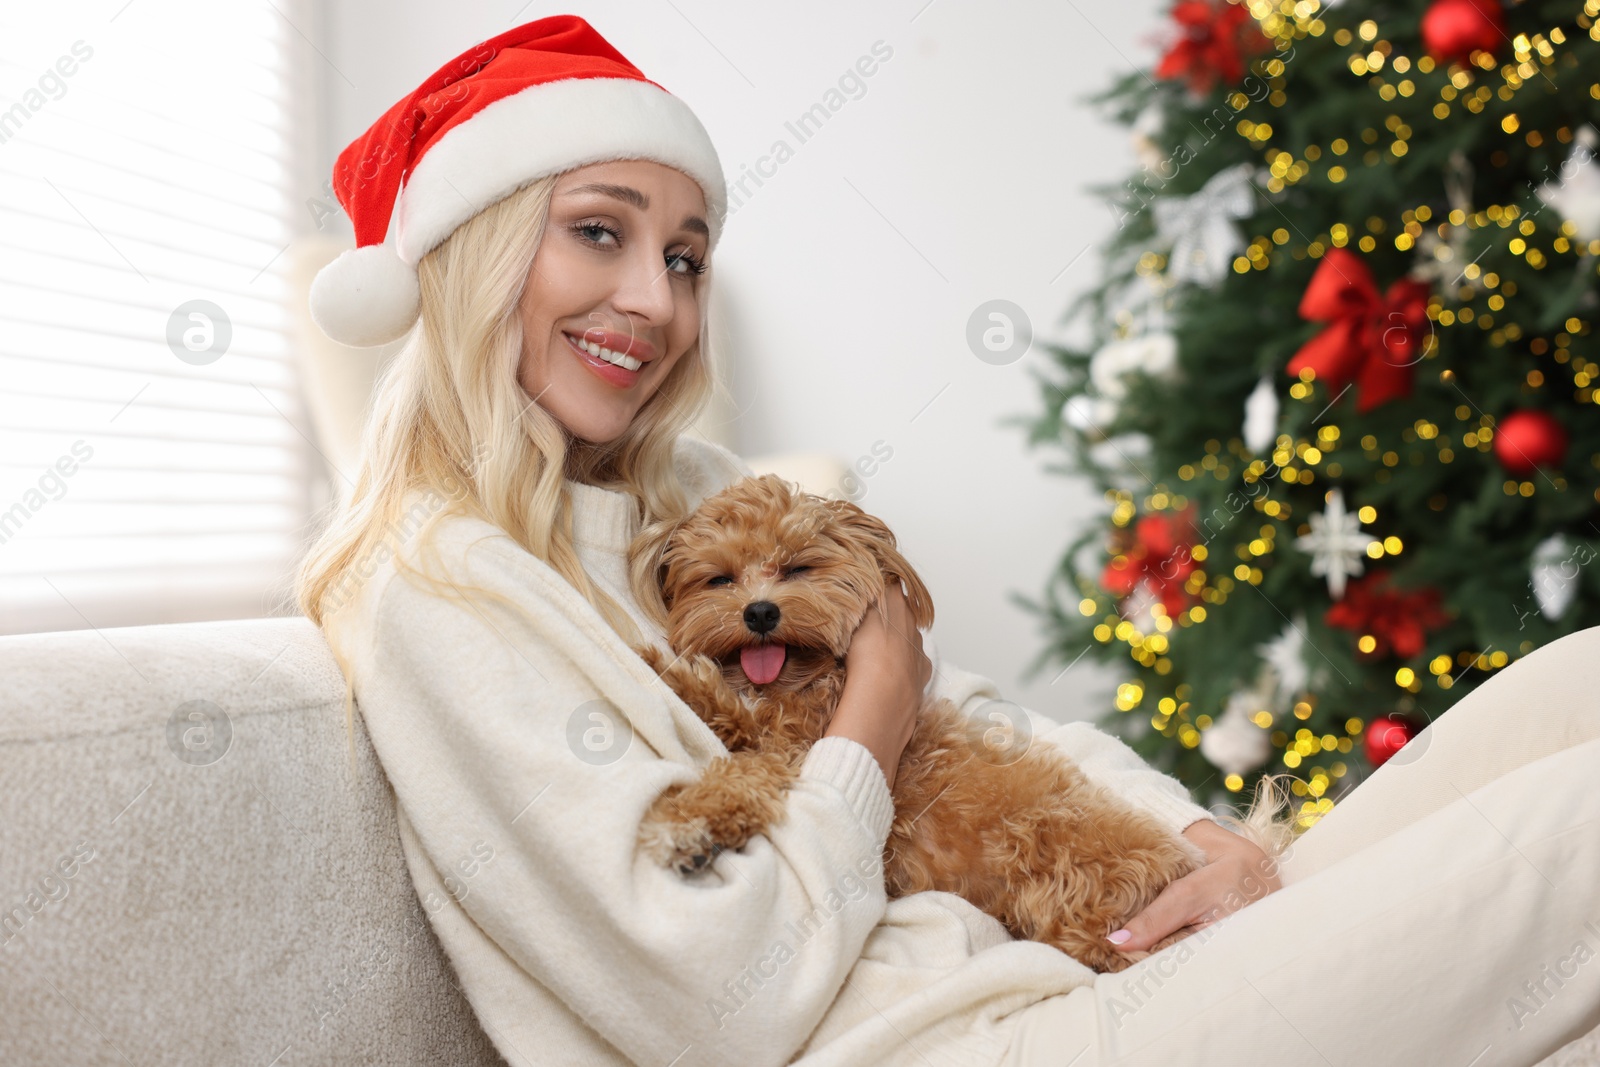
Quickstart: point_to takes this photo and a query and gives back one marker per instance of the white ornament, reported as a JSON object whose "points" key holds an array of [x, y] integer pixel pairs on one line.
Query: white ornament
{"points": [[1138, 608], [1090, 414], [1261, 417], [1200, 227], [1234, 744], [1337, 546], [1285, 656], [1441, 261], [1154, 354], [1555, 576], [1576, 191], [1143, 134], [1124, 451]]}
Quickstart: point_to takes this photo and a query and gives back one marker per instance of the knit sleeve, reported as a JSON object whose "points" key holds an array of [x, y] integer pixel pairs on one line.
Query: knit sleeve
{"points": [[1104, 758], [519, 725]]}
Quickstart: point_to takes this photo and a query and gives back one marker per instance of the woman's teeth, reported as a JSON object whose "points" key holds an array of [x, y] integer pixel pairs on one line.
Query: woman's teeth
{"points": [[625, 362]]}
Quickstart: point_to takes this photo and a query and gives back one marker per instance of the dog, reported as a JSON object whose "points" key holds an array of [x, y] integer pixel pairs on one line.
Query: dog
{"points": [[764, 586]]}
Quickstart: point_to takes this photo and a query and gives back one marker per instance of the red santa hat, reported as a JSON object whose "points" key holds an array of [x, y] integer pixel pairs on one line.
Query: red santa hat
{"points": [[537, 100]]}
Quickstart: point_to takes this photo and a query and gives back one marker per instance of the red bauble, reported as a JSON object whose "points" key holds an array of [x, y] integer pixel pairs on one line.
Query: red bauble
{"points": [[1453, 29], [1527, 440], [1385, 736]]}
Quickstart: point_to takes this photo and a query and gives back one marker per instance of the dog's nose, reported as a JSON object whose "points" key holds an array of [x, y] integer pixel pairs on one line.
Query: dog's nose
{"points": [[761, 617]]}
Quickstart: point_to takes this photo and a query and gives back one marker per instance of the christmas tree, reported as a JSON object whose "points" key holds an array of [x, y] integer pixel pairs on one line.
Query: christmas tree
{"points": [[1339, 382]]}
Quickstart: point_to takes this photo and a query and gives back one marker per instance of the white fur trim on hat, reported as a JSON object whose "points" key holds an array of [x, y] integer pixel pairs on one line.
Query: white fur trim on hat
{"points": [[546, 129], [368, 296]]}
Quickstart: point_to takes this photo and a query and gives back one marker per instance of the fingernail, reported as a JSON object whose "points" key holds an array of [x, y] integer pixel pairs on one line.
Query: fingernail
{"points": [[1120, 936]]}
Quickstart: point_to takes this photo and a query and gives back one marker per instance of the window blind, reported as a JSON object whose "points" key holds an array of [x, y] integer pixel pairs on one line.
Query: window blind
{"points": [[151, 468]]}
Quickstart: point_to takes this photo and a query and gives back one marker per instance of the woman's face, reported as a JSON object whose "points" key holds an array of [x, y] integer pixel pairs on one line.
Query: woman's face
{"points": [[616, 269]]}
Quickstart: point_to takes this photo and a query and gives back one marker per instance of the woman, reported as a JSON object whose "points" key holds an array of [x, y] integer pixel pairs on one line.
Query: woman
{"points": [[542, 218]]}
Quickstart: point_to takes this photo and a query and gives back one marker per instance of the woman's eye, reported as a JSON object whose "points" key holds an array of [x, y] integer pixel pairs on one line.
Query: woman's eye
{"points": [[687, 262], [595, 232], [792, 571], [721, 579]]}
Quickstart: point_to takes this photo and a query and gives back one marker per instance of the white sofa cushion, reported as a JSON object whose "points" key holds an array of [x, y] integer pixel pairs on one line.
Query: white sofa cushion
{"points": [[199, 909]]}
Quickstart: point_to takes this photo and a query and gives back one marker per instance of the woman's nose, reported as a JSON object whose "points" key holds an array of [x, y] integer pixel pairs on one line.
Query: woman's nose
{"points": [[644, 291]]}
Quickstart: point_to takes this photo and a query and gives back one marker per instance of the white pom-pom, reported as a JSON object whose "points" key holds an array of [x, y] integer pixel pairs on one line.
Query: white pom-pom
{"points": [[366, 297]]}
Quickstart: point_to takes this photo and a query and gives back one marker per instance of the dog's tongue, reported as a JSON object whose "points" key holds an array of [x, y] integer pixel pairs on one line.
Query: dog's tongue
{"points": [[762, 663]]}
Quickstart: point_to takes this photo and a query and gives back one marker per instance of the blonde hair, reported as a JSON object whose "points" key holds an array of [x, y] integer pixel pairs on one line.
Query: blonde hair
{"points": [[451, 419]]}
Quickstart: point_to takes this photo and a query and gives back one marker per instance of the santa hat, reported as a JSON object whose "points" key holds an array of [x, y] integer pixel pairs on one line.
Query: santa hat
{"points": [[537, 100]]}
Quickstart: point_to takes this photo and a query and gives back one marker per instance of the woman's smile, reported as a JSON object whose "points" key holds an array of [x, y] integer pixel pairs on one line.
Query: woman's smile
{"points": [[615, 358]]}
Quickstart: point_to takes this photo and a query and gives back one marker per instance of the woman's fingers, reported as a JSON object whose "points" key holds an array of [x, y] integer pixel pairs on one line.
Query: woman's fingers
{"points": [[1198, 899], [898, 618], [894, 601], [1172, 910]]}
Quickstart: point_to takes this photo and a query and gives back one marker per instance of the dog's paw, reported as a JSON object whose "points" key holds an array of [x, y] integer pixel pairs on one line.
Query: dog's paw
{"points": [[684, 845], [652, 657]]}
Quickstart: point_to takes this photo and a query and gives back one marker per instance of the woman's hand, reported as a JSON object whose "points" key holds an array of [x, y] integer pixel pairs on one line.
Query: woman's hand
{"points": [[1237, 872], [886, 672]]}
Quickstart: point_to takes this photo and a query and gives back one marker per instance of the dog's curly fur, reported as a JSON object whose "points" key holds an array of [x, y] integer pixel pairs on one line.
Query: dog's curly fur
{"points": [[1016, 829]]}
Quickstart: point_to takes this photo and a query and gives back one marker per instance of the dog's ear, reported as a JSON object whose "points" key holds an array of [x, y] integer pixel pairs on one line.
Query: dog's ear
{"points": [[661, 584], [890, 561], [665, 558]]}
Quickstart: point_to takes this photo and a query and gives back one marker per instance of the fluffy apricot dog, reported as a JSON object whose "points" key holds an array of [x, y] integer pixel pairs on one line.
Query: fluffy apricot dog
{"points": [[764, 587]]}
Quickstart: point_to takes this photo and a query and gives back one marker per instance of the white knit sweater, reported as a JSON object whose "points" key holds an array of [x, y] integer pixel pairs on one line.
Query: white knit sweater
{"points": [[518, 810]]}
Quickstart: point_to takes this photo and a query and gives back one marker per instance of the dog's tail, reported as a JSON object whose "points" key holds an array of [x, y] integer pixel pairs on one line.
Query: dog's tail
{"points": [[1266, 823]]}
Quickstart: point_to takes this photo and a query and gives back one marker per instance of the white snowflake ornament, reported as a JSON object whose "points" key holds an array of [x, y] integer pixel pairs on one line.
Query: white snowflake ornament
{"points": [[1441, 260], [1337, 546], [1285, 656]]}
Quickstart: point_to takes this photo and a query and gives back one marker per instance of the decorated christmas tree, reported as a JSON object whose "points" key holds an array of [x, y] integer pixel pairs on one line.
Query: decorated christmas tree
{"points": [[1339, 384]]}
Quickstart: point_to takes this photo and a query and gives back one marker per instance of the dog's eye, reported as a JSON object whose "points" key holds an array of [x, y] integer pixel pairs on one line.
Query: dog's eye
{"points": [[792, 571], [721, 579]]}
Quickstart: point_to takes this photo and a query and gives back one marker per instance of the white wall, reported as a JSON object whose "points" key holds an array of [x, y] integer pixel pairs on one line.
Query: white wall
{"points": [[957, 177]]}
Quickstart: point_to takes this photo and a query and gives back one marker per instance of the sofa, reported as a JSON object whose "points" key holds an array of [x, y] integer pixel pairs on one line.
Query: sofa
{"points": [[202, 867]]}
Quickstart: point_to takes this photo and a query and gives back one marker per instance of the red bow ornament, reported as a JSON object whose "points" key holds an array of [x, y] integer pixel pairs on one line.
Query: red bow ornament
{"points": [[1374, 341], [1215, 39], [1160, 556]]}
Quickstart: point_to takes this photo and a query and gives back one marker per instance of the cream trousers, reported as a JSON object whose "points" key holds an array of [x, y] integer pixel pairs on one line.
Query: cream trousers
{"points": [[1446, 912]]}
